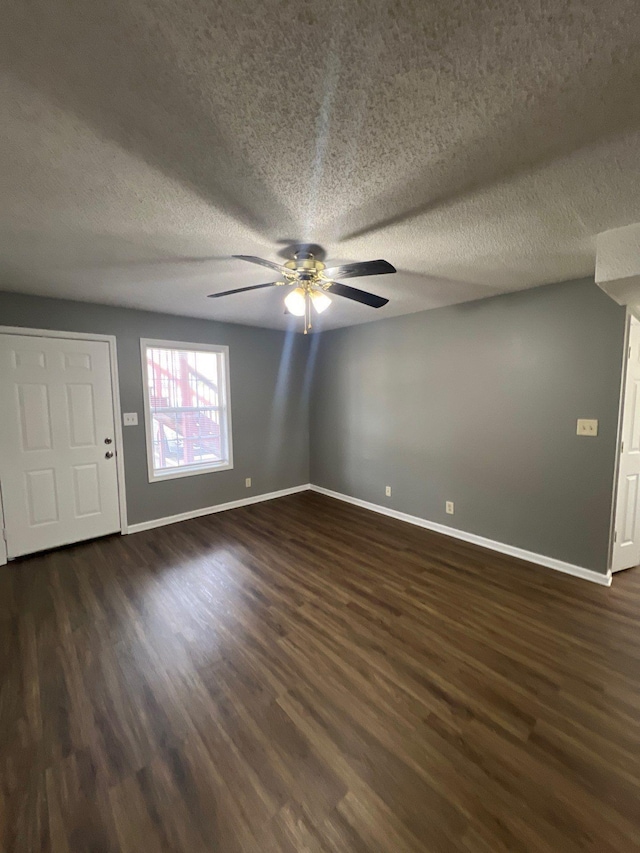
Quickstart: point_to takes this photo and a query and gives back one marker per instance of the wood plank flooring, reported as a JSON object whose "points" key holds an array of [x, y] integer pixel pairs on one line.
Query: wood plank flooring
{"points": [[302, 675]]}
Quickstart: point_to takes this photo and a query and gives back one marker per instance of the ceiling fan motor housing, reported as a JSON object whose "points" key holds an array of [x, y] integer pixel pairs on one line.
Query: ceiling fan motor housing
{"points": [[306, 266]]}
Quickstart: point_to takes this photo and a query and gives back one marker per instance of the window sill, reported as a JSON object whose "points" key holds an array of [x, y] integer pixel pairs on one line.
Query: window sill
{"points": [[173, 474]]}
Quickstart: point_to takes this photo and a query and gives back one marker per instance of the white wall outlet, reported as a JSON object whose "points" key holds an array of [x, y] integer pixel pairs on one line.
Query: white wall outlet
{"points": [[449, 507], [387, 491], [130, 418], [247, 482], [587, 427]]}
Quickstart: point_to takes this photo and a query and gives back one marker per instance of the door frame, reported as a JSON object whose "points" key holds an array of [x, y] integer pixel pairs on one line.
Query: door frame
{"points": [[115, 396], [619, 436], [3, 542]]}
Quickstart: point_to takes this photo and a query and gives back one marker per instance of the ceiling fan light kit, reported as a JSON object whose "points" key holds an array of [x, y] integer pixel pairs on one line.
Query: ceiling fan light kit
{"points": [[314, 282]]}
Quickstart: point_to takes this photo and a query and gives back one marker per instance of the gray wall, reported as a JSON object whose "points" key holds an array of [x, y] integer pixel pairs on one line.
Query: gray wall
{"points": [[478, 404], [268, 400], [475, 403]]}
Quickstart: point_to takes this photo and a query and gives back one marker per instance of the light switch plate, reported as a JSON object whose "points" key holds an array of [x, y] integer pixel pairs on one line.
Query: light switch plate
{"points": [[130, 418], [587, 427]]}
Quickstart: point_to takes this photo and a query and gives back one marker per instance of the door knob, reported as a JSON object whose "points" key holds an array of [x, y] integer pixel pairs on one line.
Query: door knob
{"points": [[108, 440], [108, 454]]}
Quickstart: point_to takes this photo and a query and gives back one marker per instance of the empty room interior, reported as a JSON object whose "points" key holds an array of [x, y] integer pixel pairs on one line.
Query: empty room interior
{"points": [[319, 426]]}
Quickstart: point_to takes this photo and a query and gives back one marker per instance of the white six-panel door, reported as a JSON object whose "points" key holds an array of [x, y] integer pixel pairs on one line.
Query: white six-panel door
{"points": [[57, 455], [626, 545]]}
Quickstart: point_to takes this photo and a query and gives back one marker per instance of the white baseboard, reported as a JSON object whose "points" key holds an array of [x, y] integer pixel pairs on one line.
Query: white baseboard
{"points": [[209, 510], [510, 550]]}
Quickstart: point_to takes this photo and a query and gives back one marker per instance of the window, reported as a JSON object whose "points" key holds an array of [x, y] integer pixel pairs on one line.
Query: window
{"points": [[187, 410]]}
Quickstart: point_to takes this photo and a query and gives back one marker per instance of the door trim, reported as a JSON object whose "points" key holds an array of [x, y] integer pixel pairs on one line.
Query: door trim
{"points": [[115, 395], [3, 542]]}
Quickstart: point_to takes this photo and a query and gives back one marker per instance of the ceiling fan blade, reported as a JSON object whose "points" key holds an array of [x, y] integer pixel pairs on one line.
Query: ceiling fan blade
{"points": [[242, 289], [173, 261], [357, 295], [263, 263], [358, 269]]}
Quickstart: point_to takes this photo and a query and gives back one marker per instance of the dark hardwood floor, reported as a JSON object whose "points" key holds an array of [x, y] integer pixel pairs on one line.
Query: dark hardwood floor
{"points": [[302, 675]]}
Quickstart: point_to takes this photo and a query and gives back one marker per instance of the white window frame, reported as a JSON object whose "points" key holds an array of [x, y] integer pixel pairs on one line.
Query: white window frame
{"points": [[209, 468]]}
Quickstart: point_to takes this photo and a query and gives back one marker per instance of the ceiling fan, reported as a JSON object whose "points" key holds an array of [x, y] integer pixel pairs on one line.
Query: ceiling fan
{"points": [[313, 281]]}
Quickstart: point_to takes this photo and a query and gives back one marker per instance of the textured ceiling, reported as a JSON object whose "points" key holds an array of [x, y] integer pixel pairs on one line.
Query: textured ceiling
{"points": [[478, 146]]}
